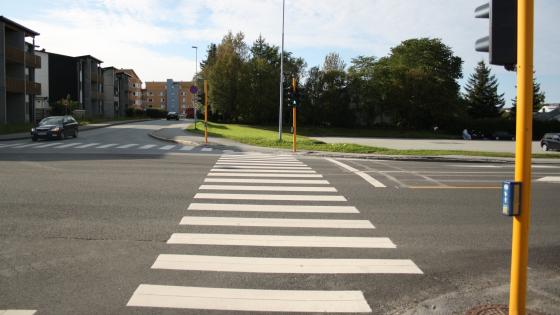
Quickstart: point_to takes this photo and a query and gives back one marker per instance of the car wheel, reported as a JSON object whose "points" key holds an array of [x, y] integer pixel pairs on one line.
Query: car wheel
{"points": [[34, 139], [62, 135], [544, 147], [75, 133]]}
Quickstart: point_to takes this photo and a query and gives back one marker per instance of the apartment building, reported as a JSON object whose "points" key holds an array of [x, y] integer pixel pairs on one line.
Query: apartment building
{"points": [[17, 73], [116, 92], [77, 78], [135, 88], [169, 95]]}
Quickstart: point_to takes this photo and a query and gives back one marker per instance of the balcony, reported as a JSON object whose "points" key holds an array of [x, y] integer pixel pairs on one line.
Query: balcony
{"points": [[22, 86], [96, 95], [20, 56], [95, 77]]}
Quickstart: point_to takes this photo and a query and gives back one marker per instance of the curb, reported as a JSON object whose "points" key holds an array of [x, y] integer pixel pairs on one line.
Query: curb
{"points": [[84, 128], [153, 135]]}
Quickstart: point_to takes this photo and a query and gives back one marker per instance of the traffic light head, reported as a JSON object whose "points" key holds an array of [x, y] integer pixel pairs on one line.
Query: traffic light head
{"points": [[501, 42], [200, 98]]}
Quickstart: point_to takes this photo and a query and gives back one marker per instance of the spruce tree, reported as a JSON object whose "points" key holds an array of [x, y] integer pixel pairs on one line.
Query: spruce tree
{"points": [[482, 98], [538, 98]]}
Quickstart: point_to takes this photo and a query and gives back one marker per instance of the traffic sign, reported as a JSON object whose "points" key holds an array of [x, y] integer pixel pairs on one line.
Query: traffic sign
{"points": [[193, 89]]}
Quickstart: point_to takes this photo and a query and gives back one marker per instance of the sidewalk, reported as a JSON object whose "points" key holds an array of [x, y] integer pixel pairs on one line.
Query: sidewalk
{"points": [[26, 135], [177, 134]]}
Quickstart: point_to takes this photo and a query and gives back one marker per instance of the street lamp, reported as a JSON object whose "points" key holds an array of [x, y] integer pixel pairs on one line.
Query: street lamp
{"points": [[195, 82], [281, 77]]}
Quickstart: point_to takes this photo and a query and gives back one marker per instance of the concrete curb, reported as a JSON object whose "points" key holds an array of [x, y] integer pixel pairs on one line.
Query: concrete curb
{"points": [[83, 128], [153, 135]]}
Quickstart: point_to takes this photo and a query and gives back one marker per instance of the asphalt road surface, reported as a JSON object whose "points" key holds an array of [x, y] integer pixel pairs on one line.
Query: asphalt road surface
{"points": [[114, 225]]}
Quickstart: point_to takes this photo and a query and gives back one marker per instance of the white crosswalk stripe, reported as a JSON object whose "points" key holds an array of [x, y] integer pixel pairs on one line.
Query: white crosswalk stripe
{"points": [[9, 145], [248, 175], [295, 223], [107, 146], [87, 145], [26, 145], [67, 145], [167, 147], [186, 148], [126, 146], [17, 312], [147, 146], [206, 149], [48, 145]]}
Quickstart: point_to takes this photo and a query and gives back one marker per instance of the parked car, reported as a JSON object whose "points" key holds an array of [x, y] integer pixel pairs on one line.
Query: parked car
{"points": [[550, 141], [55, 127], [173, 115], [502, 135]]}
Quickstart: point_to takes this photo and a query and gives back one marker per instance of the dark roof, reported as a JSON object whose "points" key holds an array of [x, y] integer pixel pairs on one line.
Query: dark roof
{"points": [[28, 32], [90, 57], [107, 68], [131, 73]]}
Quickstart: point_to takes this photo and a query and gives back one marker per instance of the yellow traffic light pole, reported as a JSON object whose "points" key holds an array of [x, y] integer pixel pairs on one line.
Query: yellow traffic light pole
{"points": [[206, 111], [524, 127]]}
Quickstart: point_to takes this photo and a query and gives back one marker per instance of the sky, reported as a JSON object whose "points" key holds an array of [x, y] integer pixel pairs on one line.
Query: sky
{"points": [[155, 37]]}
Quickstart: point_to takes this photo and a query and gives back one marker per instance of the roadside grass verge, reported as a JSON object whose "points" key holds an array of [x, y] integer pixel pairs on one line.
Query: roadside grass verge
{"points": [[267, 137], [89, 121], [15, 128]]}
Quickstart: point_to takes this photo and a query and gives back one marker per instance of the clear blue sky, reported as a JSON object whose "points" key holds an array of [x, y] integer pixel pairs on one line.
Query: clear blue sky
{"points": [[156, 37]]}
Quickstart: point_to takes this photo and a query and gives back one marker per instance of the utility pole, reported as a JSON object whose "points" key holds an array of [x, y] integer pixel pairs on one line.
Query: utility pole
{"points": [[195, 81], [206, 111], [524, 127], [281, 76]]}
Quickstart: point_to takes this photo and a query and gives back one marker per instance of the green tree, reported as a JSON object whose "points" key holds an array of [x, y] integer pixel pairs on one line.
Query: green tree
{"points": [[64, 107], [422, 82], [538, 98], [481, 97]]}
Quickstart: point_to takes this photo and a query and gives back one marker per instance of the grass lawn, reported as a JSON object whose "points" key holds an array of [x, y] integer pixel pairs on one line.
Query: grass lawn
{"points": [[267, 137], [15, 128]]}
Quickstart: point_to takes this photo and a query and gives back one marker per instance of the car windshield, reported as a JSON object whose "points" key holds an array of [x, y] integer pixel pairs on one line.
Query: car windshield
{"points": [[51, 121]]}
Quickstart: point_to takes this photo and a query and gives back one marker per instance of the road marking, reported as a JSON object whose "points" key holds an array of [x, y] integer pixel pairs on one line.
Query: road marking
{"points": [[262, 170], [266, 181], [285, 265], [268, 188], [255, 166], [269, 197], [186, 148], [26, 145], [126, 146], [17, 312], [270, 208], [479, 166], [9, 145], [268, 164], [206, 149], [107, 146], [268, 222], [374, 182], [148, 295], [262, 175], [147, 146], [87, 145], [550, 179], [68, 145], [228, 151], [276, 161], [280, 240], [167, 147], [48, 145], [455, 187]]}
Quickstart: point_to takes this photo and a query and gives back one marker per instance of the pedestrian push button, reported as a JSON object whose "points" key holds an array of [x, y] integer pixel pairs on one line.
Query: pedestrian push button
{"points": [[511, 198]]}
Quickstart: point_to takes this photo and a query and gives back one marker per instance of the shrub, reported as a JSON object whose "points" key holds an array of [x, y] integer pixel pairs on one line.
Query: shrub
{"points": [[156, 113]]}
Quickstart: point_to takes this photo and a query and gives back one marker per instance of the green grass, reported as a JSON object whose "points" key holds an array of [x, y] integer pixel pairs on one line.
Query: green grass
{"points": [[267, 137], [15, 128], [88, 121]]}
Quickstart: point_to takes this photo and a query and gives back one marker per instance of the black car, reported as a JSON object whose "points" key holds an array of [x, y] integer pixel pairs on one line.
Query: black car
{"points": [[55, 127], [503, 135], [173, 115], [550, 141]]}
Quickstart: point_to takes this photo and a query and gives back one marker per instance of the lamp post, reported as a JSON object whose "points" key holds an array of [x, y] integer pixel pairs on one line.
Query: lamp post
{"points": [[195, 82], [281, 77]]}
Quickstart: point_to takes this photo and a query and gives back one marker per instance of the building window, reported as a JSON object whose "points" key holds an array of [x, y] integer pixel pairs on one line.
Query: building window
{"points": [[160, 93], [150, 100]]}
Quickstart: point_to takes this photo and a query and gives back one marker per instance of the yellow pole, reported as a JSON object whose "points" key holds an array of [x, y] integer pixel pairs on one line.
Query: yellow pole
{"points": [[520, 238], [206, 111]]}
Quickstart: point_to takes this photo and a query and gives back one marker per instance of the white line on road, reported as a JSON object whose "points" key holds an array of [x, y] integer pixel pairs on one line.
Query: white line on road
{"points": [[280, 240], [167, 147], [148, 295], [262, 175], [147, 146], [276, 222], [550, 179], [186, 148], [87, 145], [309, 171], [68, 145], [26, 145], [48, 145], [17, 312], [107, 146], [268, 164], [267, 181], [286, 265], [268, 188], [273, 222], [126, 146], [206, 149], [270, 208], [255, 166], [269, 197], [374, 182]]}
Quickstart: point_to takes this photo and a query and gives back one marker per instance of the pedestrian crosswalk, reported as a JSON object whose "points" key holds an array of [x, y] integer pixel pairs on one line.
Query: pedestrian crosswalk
{"points": [[245, 184], [98, 146]]}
